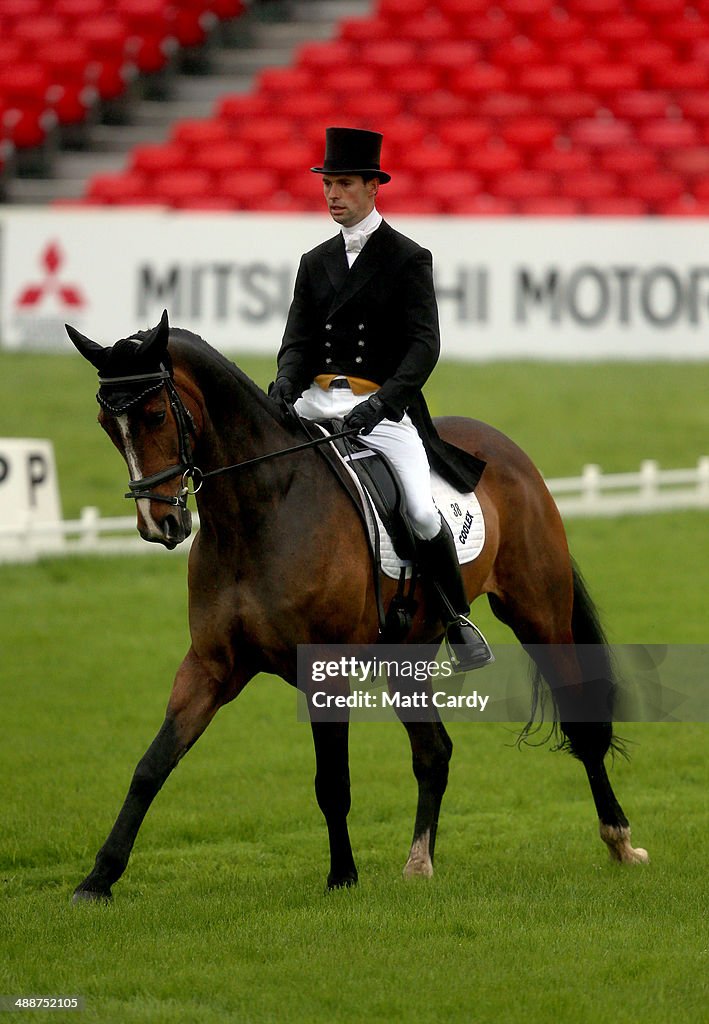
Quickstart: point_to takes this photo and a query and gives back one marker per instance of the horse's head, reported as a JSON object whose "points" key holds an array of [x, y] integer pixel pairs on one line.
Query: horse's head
{"points": [[147, 420]]}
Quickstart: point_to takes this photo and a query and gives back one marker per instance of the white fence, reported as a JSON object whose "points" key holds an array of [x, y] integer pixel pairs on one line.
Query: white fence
{"points": [[592, 494]]}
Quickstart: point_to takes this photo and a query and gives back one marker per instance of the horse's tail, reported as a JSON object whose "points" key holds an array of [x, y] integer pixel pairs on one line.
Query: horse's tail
{"points": [[594, 733]]}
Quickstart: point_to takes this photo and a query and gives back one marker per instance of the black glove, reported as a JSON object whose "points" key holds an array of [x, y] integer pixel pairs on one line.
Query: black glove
{"points": [[281, 391], [365, 416]]}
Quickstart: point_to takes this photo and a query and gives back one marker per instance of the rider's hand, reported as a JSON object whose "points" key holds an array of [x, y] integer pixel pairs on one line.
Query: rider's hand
{"points": [[365, 416], [281, 392]]}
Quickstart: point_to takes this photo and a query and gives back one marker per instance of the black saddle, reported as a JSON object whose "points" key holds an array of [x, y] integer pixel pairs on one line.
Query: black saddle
{"points": [[381, 483]]}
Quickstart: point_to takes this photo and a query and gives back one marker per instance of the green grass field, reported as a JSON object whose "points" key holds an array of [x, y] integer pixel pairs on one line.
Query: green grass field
{"points": [[221, 915]]}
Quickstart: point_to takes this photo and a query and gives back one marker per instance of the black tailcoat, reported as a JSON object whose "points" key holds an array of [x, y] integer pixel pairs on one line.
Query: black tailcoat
{"points": [[377, 320]]}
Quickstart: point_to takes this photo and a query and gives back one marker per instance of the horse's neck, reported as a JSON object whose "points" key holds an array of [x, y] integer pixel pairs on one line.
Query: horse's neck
{"points": [[238, 427]]}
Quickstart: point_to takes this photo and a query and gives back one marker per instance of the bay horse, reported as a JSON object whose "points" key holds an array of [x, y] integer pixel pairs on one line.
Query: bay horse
{"points": [[266, 575]]}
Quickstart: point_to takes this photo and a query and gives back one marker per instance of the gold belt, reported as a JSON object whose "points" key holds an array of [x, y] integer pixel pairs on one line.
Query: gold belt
{"points": [[359, 385]]}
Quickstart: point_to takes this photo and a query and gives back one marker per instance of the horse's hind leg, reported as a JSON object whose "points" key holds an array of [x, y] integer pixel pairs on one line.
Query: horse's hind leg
{"points": [[194, 701], [332, 790], [431, 750], [574, 660]]}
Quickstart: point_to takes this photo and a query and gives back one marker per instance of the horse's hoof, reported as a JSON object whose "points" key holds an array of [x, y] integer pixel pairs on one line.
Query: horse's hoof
{"points": [[90, 896], [346, 882], [617, 838], [419, 864], [418, 868]]}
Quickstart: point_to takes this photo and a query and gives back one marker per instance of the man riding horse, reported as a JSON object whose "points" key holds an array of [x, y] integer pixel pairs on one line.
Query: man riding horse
{"points": [[361, 340]]}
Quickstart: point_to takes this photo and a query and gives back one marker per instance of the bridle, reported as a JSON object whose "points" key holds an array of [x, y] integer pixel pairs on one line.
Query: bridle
{"points": [[141, 488]]}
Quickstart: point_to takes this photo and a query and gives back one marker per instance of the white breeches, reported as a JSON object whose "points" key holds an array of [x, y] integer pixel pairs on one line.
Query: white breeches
{"points": [[399, 442]]}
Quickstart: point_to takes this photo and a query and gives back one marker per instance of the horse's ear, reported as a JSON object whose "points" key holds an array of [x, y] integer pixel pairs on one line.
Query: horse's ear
{"points": [[91, 350], [157, 339]]}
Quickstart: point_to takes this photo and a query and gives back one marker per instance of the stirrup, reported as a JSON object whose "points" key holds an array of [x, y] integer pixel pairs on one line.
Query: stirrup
{"points": [[470, 655]]}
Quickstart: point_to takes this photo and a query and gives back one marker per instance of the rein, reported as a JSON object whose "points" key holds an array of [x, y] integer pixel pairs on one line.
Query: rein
{"points": [[141, 488]]}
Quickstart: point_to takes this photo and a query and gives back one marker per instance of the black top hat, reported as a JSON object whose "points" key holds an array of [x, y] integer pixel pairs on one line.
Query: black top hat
{"points": [[353, 151]]}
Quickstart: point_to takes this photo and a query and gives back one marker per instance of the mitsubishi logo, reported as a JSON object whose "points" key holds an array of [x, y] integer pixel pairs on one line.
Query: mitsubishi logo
{"points": [[33, 295]]}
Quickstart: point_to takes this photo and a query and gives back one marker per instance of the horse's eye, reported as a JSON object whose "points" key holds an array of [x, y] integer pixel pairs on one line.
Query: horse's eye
{"points": [[156, 418]]}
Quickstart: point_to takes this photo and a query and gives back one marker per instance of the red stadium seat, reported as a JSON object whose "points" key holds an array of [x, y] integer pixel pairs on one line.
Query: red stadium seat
{"points": [[623, 29], [450, 187], [659, 8], [616, 206], [530, 132], [201, 134], [600, 133], [279, 82], [107, 39], [493, 160], [518, 52], [149, 24], [494, 26], [433, 158], [308, 104], [589, 185], [479, 80], [417, 80], [438, 105], [666, 134], [319, 57], [500, 106], [25, 100], [424, 30], [562, 161], [364, 30], [261, 131], [578, 54], [390, 54], [247, 188], [549, 206], [485, 205], [449, 56], [568, 106], [648, 53], [524, 184], [542, 79], [238, 108], [628, 160], [117, 188], [526, 10], [420, 205], [284, 157], [594, 9], [402, 132], [369, 109], [684, 206], [639, 105], [394, 9], [686, 75], [68, 62], [153, 158], [611, 78], [560, 28], [656, 187], [465, 133], [694, 104], [222, 157], [690, 162]]}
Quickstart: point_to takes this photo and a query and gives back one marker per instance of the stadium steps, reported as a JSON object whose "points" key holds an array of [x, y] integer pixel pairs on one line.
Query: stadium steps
{"points": [[264, 37]]}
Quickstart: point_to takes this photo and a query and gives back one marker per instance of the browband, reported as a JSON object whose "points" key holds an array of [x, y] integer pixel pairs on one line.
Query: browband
{"points": [[160, 375]]}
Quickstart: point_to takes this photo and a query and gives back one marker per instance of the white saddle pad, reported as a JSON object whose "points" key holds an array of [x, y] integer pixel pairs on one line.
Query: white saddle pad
{"points": [[461, 511]]}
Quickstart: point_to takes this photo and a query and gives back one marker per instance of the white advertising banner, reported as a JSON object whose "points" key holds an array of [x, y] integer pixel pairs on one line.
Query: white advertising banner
{"points": [[507, 288]]}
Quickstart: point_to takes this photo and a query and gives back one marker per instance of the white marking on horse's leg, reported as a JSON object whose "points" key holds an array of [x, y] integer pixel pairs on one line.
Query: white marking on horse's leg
{"points": [[617, 838], [419, 864], [136, 473]]}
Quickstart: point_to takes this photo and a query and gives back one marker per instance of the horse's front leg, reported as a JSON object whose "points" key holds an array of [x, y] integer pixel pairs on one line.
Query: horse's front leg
{"points": [[196, 697], [332, 789]]}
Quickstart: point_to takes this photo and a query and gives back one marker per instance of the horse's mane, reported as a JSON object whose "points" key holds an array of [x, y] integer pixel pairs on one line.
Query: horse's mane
{"points": [[212, 370]]}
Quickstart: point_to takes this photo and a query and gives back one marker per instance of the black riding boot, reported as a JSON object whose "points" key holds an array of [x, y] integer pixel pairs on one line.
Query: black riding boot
{"points": [[439, 562]]}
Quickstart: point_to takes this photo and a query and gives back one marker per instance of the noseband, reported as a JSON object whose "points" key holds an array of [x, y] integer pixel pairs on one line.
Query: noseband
{"points": [[141, 488]]}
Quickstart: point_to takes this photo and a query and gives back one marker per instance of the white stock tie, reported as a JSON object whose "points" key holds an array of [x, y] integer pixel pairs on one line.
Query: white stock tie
{"points": [[354, 241]]}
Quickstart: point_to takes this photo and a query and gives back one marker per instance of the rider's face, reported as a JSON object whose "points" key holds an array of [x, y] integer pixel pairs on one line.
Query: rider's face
{"points": [[349, 197]]}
